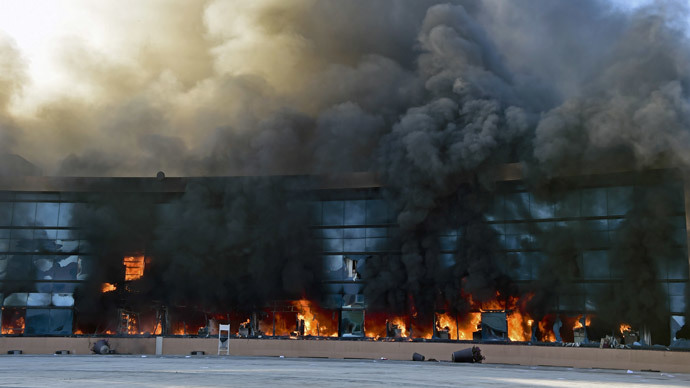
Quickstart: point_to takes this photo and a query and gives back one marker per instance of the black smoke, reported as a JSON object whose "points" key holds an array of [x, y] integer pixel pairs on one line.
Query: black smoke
{"points": [[436, 100]]}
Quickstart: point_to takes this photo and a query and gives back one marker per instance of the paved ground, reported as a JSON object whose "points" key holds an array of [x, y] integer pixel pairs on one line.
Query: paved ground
{"points": [[204, 371]]}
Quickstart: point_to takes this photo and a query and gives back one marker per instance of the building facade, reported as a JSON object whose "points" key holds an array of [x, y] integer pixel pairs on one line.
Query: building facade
{"points": [[44, 258]]}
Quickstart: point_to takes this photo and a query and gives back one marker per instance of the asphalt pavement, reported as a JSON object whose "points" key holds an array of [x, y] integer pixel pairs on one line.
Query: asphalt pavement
{"points": [[226, 371]]}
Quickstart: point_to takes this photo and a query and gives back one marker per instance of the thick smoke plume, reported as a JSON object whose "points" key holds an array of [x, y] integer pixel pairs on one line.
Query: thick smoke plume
{"points": [[222, 245], [434, 96]]}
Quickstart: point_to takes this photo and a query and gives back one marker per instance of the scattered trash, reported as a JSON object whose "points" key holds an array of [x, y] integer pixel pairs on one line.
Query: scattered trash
{"points": [[473, 354]]}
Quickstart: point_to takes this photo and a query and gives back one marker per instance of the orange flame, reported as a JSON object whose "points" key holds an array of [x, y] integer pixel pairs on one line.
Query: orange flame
{"points": [[134, 267], [316, 321], [624, 327], [15, 327], [546, 332], [578, 324], [464, 326], [398, 321], [519, 326], [375, 325], [107, 287]]}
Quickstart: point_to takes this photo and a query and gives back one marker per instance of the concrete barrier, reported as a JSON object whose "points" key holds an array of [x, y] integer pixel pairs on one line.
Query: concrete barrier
{"points": [[664, 361]]}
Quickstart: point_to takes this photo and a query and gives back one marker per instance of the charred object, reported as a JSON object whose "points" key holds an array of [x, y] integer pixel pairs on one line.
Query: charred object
{"points": [[471, 355], [493, 327], [393, 330], [101, 347]]}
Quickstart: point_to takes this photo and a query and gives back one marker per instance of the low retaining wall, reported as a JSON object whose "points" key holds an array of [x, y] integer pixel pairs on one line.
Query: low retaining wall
{"points": [[665, 361]]}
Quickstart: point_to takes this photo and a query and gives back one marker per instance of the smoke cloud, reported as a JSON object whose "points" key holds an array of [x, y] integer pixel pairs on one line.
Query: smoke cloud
{"points": [[432, 95]]}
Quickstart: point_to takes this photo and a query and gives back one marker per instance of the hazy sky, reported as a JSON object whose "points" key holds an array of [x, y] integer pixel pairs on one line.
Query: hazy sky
{"points": [[128, 87], [113, 30]]}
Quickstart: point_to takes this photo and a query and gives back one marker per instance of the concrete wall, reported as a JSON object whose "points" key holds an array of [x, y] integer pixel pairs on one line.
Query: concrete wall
{"points": [[665, 361]]}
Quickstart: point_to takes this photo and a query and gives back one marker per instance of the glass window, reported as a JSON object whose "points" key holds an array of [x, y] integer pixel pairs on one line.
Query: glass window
{"points": [[620, 200], [568, 206], [63, 288], [596, 265], [315, 211], [499, 228], [333, 245], [333, 213], [37, 321], [47, 214], [680, 236], [39, 299], [85, 247], [496, 212], [677, 304], [541, 209], [377, 244], [66, 268], [354, 233], [594, 294], [63, 234], [20, 267], [5, 213], [355, 212], [593, 202], [17, 299], [615, 224], [352, 288], [62, 299], [446, 260], [23, 245], [3, 267], [60, 321], [354, 244], [523, 265], [86, 264], [448, 243], [677, 289], [333, 266], [352, 323], [518, 241], [377, 232], [65, 215], [67, 246], [377, 212], [517, 206], [332, 233], [45, 234], [678, 268], [574, 300], [24, 214], [44, 266], [517, 228], [23, 234]]}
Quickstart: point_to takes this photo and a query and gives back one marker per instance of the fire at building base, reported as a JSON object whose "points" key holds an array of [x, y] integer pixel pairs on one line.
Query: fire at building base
{"points": [[338, 267]]}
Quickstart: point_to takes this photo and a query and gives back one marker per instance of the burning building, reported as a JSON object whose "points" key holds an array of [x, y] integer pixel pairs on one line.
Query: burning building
{"points": [[556, 260], [498, 171]]}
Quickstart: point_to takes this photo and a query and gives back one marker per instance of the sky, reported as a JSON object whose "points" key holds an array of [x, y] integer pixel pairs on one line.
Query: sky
{"points": [[168, 78], [40, 28]]}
